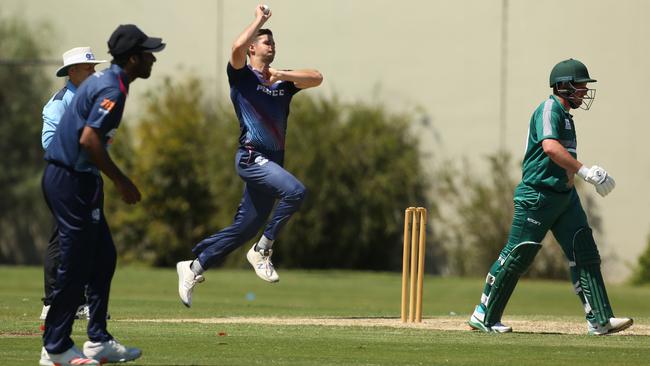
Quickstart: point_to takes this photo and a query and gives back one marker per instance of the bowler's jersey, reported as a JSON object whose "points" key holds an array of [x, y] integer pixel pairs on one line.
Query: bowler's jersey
{"points": [[262, 110], [549, 121], [98, 103], [53, 111]]}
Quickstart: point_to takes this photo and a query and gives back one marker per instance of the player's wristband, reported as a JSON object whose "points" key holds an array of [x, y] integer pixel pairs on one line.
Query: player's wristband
{"points": [[582, 172]]}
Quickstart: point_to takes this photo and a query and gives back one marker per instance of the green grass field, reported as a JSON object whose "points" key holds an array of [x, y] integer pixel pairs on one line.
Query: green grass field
{"points": [[329, 318]]}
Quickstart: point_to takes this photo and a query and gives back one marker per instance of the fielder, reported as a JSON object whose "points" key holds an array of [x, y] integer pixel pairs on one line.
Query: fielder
{"points": [[261, 96], [546, 199]]}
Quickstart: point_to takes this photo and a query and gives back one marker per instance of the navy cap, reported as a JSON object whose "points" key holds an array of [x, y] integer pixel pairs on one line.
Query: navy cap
{"points": [[128, 39]]}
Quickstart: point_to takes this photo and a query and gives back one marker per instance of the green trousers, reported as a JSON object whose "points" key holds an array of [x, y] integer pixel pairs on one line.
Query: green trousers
{"points": [[536, 212]]}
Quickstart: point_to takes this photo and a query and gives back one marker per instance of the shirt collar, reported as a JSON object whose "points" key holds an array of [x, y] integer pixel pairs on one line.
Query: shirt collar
{"points": [[122, 77], [555, 97], [117, 69], [70, 86]]}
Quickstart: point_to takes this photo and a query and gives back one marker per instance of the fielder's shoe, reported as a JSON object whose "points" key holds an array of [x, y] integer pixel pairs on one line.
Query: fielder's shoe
{"points": [[71, 357], [45, 358], [46, 309], [261, 261], [476, 322], [186, 281], [614, 325], [110, 352]]}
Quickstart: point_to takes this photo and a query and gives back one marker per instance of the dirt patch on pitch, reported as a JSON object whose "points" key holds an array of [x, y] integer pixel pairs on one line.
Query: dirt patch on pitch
{"points": [[19, 334], [435, 323]]}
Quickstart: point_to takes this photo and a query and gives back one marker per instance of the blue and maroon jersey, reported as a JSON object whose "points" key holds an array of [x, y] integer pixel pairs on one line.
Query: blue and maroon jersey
{"points": [[98, 103], [262, 110]]}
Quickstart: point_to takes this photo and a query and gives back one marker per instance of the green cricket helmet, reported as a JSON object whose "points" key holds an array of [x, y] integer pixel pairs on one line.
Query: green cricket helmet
{"points": [[570, 70], [563, 77]]}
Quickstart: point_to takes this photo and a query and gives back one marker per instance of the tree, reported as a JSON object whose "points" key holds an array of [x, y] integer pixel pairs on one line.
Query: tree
{"points": [[641, 274], [24, 218], [172, 154], [362, 169], [476, 214]]}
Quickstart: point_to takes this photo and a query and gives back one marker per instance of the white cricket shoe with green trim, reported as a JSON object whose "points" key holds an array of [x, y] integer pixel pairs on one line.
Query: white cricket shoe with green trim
{"points": [[476, 322], [614, 325]]}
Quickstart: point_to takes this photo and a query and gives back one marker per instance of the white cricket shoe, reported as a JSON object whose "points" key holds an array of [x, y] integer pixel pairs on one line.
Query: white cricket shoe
{"points": [[499, 327], [614, 325], [71, 357], [261, 262], [110, 351], [45, 358], [186, 281], [476, 321], [44, 311]]}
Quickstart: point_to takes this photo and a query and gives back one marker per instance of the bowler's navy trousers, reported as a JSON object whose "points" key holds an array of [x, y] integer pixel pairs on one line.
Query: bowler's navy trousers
{"points": [[87, 255], [265, 181]]}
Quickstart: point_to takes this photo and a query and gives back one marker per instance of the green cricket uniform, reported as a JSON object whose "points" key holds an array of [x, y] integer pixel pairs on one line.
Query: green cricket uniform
{"points": [[544, 201], [549, 121]]}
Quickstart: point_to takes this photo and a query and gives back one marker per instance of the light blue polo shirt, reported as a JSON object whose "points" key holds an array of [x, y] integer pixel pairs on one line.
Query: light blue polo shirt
{"points": [[53, 111]]}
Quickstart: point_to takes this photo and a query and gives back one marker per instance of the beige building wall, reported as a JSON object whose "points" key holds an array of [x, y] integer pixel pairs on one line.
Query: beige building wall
{"points": [[439, 58]]}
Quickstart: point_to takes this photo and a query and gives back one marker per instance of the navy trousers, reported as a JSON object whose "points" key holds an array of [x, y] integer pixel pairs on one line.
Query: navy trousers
{"points": [[265, 182], [86, 255]]}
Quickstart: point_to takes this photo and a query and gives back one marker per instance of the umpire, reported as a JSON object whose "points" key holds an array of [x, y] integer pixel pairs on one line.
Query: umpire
{"points": [[73, 190]]}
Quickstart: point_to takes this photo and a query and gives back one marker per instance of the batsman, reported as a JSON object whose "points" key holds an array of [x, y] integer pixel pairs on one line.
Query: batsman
{"points": [[546, 199]]}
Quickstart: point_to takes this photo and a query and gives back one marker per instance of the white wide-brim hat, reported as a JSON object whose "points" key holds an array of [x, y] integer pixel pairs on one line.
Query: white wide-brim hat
{"points": [[75, 56]]}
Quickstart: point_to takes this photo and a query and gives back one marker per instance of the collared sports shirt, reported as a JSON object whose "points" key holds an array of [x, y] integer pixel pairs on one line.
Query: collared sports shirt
{"points": [[53, 111], [262, 110], [98, 103], [549, 121]]}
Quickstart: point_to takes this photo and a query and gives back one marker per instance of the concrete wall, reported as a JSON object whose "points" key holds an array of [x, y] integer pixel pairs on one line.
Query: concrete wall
{"points": [[442, 58]]}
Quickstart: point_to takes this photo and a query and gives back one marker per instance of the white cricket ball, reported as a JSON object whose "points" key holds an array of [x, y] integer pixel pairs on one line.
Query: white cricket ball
{"points": [[265, 9]]}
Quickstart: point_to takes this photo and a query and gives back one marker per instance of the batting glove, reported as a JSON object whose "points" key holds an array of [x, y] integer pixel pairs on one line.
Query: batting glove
{"points": [[597, 176]]}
